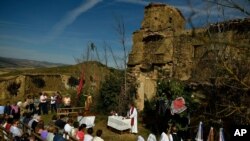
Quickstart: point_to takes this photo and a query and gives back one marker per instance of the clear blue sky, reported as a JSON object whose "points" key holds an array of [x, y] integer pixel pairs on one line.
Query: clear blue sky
{"points": [[60, 30]]}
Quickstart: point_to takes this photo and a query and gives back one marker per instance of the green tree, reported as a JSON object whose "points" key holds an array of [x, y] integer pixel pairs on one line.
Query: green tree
{"points": [[110, 91]]}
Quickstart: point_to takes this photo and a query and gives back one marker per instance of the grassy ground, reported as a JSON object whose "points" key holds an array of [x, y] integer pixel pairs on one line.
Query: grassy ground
{"points": [[108, 135]]}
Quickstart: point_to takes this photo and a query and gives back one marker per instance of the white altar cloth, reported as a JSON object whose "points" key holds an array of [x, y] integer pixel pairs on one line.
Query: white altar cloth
{"points": [[119, 123]]}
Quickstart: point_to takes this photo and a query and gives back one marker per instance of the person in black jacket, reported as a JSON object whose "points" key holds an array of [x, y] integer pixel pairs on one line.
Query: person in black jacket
{"points": [[7, 108], [60, 123], [174, 132]]}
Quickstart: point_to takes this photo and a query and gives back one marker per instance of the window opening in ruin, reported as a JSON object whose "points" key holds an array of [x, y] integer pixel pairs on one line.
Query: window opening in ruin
{"points": [[152, 38], [196, 51], [170, 19]]}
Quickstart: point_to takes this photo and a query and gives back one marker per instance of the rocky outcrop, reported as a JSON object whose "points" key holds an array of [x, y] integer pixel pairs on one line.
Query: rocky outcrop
{"points": [[162, 44]]}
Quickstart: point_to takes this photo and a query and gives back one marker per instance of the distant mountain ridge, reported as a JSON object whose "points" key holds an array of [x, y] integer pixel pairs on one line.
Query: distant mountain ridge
{"points": [[25, 63]]}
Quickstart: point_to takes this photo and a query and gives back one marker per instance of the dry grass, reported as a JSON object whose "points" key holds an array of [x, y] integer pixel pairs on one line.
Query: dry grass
{"points": [[108, 135]]}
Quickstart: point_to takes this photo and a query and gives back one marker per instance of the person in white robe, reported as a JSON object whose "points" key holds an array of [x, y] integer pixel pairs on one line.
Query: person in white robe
{"points": [[166, 137], [151, 137], [140, 138], [133, 116]]}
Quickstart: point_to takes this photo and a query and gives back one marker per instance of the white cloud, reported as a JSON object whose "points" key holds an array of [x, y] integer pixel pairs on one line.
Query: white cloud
{"points": [[71, 17]]}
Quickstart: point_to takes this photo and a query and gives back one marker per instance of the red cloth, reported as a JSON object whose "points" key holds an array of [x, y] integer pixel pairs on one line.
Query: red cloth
{"points": [[178, 105], [81, 83], [7, 127], [132, 119]]}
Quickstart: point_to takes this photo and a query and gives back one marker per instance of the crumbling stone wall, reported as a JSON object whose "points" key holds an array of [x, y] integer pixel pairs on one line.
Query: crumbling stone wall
{"points": [[52, 83], [162, 44]]}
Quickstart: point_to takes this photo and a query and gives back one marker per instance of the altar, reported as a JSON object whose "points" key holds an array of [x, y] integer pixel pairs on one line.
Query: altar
{"points": [[119, 123]]}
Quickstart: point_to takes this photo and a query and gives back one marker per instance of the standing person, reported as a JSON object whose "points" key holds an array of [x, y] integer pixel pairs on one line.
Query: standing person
{"points": [[31, 103], [98, 136], [37, 106], [7, 108], [58, 100], [42, 103], [15, 111], [47, 103], [133, 116], [53, 103]]}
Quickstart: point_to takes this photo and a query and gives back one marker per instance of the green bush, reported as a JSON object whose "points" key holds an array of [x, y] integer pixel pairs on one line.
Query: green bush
{"points": [[109, 92]]}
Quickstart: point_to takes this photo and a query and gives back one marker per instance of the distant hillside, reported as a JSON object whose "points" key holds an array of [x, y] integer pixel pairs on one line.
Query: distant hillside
{"points": [[24, 63]]}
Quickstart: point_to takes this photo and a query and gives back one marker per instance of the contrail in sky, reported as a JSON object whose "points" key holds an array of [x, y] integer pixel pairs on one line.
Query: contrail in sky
{"points": [[140, 2], [71, 16]]}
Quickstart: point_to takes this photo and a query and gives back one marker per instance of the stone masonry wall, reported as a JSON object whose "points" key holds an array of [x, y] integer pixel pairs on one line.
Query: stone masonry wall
{"points": [[162, 43]]}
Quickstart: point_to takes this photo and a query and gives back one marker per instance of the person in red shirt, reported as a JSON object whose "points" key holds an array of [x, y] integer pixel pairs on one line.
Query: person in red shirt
{"points": [[80, 132], [8, 124]]}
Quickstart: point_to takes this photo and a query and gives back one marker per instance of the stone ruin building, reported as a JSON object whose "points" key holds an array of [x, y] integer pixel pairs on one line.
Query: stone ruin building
{"points": [[163, 43]]}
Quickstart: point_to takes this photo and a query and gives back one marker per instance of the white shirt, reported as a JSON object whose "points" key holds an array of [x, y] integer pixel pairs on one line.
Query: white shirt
{"points": [[53, 100], [88, 137], [68, 128], [16, 131], [50, 136]]}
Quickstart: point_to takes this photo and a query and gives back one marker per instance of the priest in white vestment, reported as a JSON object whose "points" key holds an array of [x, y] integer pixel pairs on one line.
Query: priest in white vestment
{"points": [[133, 116], [166, 137]]}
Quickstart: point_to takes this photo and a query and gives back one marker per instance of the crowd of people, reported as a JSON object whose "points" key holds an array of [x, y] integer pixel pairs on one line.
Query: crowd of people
{"points": [[169, 135], [28, 113], [61, 128]]}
